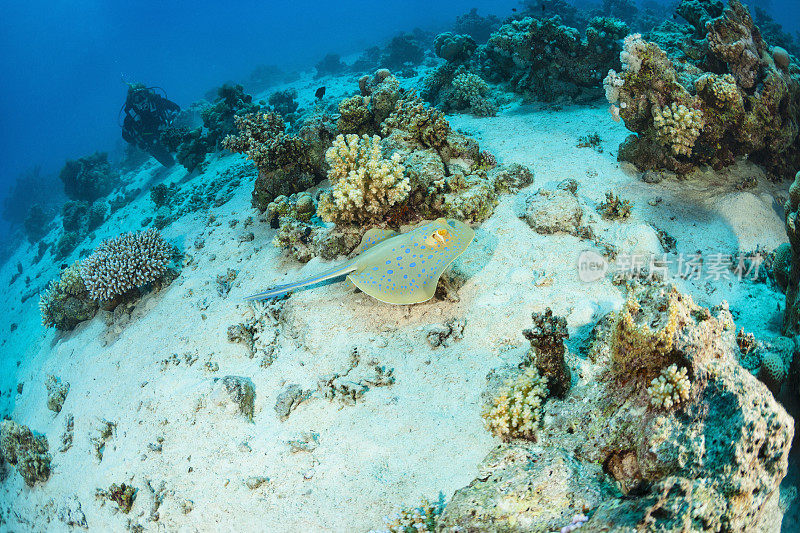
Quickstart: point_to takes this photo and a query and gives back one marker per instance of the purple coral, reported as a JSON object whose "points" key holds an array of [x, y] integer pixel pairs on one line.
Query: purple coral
{"points": [[124, 263]]}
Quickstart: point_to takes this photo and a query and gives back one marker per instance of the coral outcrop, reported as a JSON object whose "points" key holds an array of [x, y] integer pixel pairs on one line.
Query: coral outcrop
{"points": [[365, 184], [713, 461], [125, 263], [66, 302], [543, 59], [22, 448], [89, 178], [717, 96], [547, 350], [791, 313]]}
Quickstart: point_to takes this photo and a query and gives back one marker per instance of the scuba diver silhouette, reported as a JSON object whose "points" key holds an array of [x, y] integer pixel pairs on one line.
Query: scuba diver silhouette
{"points": [[147, 114]]}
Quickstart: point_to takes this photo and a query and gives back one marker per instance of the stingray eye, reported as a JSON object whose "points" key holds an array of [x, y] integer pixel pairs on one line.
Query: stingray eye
{"points": [[443, 233]]}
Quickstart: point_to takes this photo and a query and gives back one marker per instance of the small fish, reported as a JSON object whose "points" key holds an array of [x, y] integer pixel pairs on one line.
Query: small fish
{"points": [[514, 9], [396, 268], [320, 94]]}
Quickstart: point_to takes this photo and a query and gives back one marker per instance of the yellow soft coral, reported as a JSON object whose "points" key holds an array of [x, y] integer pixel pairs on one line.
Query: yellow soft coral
{"points": [[518, 407], [678, 127], [670, 388], [365, 184]]}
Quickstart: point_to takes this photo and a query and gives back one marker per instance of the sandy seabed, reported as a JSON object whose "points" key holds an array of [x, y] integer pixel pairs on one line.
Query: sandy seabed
{"points": [[418, 437]]}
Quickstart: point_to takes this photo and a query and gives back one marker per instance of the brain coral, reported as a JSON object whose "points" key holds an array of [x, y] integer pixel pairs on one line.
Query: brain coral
{"points": [[124, 263]]}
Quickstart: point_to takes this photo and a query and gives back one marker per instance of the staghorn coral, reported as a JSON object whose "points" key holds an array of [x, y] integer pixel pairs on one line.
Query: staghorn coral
{"points": [[542, 59], [517, 408], [124, 263], [22, 448], [66, 301], [716, 96], [364, 183], [670, 388]]}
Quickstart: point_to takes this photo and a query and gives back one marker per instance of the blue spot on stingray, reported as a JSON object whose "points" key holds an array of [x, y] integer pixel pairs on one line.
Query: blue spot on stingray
{"points": [[408, 250], [412, 265], [399, 258], [405, 276], [388, 262], [374, 268], [389, 271]]}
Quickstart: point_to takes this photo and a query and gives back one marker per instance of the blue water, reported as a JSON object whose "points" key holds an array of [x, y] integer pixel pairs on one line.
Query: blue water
{"points": [[62, 62]]}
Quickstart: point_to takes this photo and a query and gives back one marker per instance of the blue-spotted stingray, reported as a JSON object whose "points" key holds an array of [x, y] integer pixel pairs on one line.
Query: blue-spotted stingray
{"points": [[396, 268]]}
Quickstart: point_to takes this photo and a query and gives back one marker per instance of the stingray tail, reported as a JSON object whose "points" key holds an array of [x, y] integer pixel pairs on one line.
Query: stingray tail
{"points": [[280, 290]]}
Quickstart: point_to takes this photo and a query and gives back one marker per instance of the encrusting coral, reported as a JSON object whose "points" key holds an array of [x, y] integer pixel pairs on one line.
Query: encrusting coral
{"points": [[717, 96], [22, 448], [124, 263], [517, 409], [364, 183]]}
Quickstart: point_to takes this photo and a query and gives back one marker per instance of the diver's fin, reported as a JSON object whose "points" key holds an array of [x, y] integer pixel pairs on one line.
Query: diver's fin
{"points": [[280, 290]]}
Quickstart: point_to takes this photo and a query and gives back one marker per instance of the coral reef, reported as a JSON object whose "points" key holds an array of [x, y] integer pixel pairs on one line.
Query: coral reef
{"points": [[635, 466], [284, 103], [476, 26], [517, 409], [331, 64], [25, 450], [542, 59], [709, 108], [454, 47], [36, 223], [125, 263], [66, 301], [547, 350], [363, 114], [791, 313], [454, 88], [89, 178], [402, 51]]}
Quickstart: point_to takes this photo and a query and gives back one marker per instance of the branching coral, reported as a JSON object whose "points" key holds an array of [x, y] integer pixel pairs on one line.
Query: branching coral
{"points": [[426, 124], [615, 208], [678, 127], [517, 408], [364, 183], [124, 263], [66, 302], [415, 519], [469, 93], [670, 388]]}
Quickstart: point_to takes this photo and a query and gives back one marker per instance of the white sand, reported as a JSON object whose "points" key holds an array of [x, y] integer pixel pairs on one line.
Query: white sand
{"points": [[420, 436]]}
